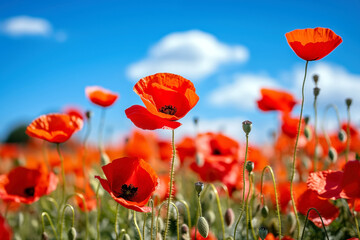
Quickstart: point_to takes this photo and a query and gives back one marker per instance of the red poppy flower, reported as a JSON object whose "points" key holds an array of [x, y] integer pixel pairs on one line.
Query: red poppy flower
{"points": [[71, 110], [5, 230], [337, 184], [101, 96], [272, 100], [141, 144], [56, 128], [310, 199], [24, 185], [313, 44], [211, 236], [130, 182], [290, 125], [186, 149], [167, 98]]}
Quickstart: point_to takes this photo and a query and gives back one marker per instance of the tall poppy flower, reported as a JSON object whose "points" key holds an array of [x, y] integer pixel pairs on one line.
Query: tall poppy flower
{"points": [[313, 44], [101, 96], [276, 100], [167, 98], [56, 127], [24, 185], [130, 182]]}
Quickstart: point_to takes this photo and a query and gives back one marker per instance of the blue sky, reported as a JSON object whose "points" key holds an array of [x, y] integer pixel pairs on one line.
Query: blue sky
{"points": [[232, 45]]}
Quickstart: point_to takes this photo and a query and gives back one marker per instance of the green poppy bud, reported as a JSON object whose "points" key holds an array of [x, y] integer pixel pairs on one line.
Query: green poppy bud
{"points": [[332, 154], [348, 102], [342, 135], [263, 232], [126, 237], [307, 133], [88, 114], [72, 234], [316, 78], [199, 186], [316, 91], [210, 216], [250, 166], [306, 120], [265, 211], [203, 227], [44, 236], [229, 217]]}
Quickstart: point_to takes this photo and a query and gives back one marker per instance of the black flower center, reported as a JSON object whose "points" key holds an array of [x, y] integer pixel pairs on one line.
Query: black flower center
{"points": [[29, 192], [168, 109], [216, 151], [128, 192]]}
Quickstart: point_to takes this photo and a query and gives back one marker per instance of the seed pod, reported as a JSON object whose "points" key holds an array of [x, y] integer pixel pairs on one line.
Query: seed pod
{"points": [[199, 186], [265, 211], [332, 154], [184, 229], [72, 234], [127, 237], [246, 125], [229, 217], [342, 135], [210, 216], [348, 102], [316, 91], [316, 78], [263, 232], [308, 133], [250, 166], [203, 227]]}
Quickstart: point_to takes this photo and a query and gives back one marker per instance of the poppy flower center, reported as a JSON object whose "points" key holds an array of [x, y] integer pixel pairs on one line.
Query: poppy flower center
{"points": [[30, 191], [168, 109], [216, 152], [128, 192]]}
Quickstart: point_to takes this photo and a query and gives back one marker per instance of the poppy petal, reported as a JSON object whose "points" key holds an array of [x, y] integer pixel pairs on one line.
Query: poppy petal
{"points": [[143, 119], [350, 182], [327, 184]]}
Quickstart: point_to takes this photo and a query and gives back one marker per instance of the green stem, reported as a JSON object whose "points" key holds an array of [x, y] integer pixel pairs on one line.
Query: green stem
{"points": [[219, 209], [307, 218], [116, 221], [250, 209], [243, 198], [62, 172], [50, 221], [295, 149], [152, 219], [86, 214], [276, 195], [157, 218], [247, 209], [136, 225], [316, 136], [98, 212], [324, 120], [62, 218], [357, 227], [187, 212], [171, 182], [144, 225], [348, 135], [88, 130]]}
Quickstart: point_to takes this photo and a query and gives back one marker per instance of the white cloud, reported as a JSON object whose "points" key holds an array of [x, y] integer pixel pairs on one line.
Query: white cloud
{"points": [[193, 54], [335, 83], [20, 26], [242, 92]]}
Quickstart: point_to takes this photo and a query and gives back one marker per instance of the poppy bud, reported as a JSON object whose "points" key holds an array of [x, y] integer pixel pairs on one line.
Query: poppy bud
{"points": [[246, 125], [211, 196], [210, 216], [265, 211], [250, 166], [291, 220], [263, 232], [308, 133], [72, 234], [184, 229], [127, 237], [230, 238], [316, 91], [203, 227], [104, 159], [316, 78], [348, 102], [199, 186], [342, 135], [88, 114], [199, 160], [196, 120], [306, 120], [332, 154], [44, 236], [229, 217]]}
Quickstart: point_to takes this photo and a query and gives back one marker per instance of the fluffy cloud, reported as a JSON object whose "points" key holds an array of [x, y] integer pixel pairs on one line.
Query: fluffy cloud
{"points": [[242, 93], [193, 54], [30, 26]]}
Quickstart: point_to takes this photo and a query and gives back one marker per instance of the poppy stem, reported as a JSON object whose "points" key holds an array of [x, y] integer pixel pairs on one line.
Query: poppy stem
{"points": [[62, 218], [295, 149], [250, 209], [348, 134], [219, 209], [98, 212], [86, 214], [324, 120], [45, 214], [171, 182], [116, 221], [316, 135], [243, 198], [307, 218], [187, 212], [276, 194], [357, 226], [101, 129], [144, 214], [62, 172], [136, 225], [247, 208], [152, 219], [87, 134]]}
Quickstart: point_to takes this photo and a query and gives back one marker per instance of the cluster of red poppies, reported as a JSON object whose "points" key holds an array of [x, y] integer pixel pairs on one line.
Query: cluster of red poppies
{"points": [[136, 173]]}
